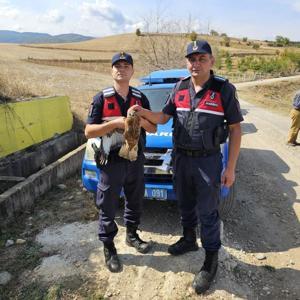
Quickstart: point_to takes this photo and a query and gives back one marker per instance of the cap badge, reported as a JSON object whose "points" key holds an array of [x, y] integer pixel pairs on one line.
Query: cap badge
{"points": [[122, 55], [195, 47]]}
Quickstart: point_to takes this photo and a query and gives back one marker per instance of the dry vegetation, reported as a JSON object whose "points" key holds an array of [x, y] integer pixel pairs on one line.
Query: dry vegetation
{"points": [[80, 70], [276, 96], [12, 89]]}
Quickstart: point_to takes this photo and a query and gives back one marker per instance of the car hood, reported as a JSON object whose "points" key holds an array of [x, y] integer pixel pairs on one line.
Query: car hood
{"points": [[162, 138]]}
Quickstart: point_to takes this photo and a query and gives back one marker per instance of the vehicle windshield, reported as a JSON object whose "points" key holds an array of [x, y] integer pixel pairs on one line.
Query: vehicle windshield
{"points": [[157, 98]]}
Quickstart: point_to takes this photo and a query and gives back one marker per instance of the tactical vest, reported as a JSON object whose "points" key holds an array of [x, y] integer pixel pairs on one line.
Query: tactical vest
{"points": [[111, 107], [201, 127]]}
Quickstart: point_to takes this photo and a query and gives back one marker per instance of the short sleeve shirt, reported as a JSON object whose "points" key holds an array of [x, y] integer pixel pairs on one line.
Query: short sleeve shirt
{"points": [[232, 111]]}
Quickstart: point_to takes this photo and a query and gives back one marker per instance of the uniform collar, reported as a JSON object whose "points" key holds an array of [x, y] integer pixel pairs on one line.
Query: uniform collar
{"points": [[205, 85]]}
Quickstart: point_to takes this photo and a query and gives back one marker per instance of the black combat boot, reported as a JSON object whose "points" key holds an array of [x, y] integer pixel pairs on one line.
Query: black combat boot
{"points": [[207, 273], [186, 243], [133, 240], [111, 257]]}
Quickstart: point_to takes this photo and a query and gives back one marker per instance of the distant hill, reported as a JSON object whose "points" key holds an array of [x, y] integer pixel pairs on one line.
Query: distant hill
{"points": [[8, 36]]}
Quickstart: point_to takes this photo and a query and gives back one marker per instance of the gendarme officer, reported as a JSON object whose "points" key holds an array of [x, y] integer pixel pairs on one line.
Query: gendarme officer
{"points": [[204, 108], [107, 114]]}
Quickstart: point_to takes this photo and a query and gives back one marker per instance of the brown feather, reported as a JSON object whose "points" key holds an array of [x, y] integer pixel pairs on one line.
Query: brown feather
{"points": [[132, 129]]}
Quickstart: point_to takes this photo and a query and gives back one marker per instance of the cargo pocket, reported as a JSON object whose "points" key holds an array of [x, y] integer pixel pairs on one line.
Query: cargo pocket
{"points": [[102, 188]]}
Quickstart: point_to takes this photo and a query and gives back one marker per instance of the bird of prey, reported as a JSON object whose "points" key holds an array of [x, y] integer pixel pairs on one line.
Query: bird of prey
{"points": [[132, 132]]}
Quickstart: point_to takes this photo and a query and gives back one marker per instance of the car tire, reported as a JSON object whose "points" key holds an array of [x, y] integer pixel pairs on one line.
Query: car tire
{"points": [[226, 204]]}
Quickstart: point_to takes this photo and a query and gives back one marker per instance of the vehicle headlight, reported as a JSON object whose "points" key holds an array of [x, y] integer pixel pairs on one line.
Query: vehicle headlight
{"points": [[89, 151]]}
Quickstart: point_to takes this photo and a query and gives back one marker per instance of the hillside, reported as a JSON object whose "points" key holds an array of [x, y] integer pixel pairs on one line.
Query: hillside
{"points": [[79, 70], [8, 36]]}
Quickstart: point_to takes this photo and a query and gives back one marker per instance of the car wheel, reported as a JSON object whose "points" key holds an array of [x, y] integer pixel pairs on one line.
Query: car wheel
{"points": [[226, 204]]}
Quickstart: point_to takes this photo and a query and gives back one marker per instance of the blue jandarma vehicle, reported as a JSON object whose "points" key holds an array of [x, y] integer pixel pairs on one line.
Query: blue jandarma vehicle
{"points": [[158, 168]]}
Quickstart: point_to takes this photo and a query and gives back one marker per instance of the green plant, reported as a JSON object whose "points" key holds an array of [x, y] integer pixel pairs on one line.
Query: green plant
{"points": [[214, 33], [218, 58], [226, 41], [228, 61], [255, 46], [193, 36], [138, 32], [282, 41]]}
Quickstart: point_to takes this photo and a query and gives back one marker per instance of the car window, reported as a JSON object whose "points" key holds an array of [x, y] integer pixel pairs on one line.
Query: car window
{"points": [[157, 97]]}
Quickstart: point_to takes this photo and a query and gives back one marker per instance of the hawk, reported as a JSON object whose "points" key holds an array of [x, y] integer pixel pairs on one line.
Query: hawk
{"points": [[132, 132]]}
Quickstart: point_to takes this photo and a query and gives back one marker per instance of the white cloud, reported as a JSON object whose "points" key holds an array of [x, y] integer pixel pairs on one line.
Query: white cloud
{"points": [[7, 10], [52, 16], [103, 11]]}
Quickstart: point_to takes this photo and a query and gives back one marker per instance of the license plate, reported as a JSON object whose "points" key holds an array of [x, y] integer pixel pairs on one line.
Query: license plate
{"points": [[160, 194]]}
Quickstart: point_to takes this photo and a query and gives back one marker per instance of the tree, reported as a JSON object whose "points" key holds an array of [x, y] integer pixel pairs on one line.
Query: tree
{"points": [[193, 36], [162, 47], [214, 33], [245, 39], [282, 41], [138, 32]]}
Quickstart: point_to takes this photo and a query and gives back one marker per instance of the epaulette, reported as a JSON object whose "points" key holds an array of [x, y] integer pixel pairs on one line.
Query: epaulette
{"points": [[220, 78], [108, 92], [217, 83], [136, 93], [186, 78], [183, 84]]}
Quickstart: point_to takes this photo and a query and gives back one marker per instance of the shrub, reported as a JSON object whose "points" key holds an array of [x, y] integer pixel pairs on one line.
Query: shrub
{"points": [[218, 56], [10, 89], [226, 40], [193, 36], [255, 46], [285, 64], [138, 32], [228, 61], [214, 33]]}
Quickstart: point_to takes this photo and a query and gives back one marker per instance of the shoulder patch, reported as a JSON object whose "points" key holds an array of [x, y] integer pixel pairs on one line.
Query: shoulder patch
{"points": [[108, 92], [136, 93]]}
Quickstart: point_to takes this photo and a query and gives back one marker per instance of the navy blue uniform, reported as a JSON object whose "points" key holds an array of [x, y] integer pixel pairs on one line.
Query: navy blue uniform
{"points": [[197, 177], [119, 173]]}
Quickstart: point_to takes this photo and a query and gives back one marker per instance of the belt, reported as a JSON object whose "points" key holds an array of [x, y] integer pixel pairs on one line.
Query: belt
{"points": [[197, 153]]}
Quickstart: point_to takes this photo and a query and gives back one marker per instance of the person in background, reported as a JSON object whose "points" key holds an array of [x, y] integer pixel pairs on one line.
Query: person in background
{"points": [[295, 124]]}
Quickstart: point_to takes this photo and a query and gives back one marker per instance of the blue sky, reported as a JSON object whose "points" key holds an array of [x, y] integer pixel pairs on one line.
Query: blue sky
{"points": [[255, 19]]}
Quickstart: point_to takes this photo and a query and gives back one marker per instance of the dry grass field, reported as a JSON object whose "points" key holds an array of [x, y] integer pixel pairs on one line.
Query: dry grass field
{"points": [[80, 70]]}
